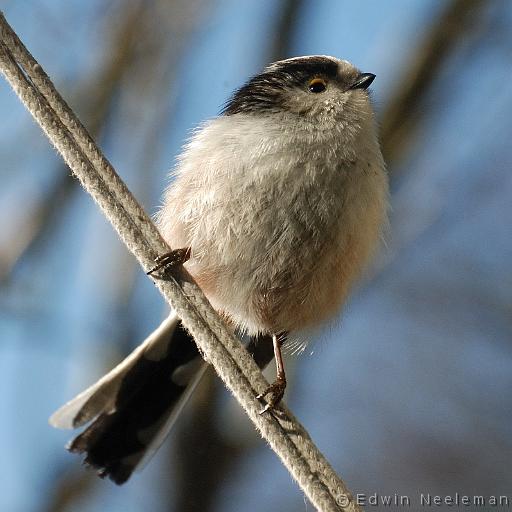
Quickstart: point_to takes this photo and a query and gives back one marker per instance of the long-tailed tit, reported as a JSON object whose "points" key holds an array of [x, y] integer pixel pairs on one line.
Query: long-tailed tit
{"points": [[278, 204]]}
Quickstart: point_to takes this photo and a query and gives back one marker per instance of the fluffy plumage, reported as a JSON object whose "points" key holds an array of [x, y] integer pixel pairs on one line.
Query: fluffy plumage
{"points": [[282, 200], [282, 207]]}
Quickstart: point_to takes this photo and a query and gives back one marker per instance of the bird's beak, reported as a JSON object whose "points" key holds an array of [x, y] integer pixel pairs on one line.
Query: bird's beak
{"points": [[363, 81]]}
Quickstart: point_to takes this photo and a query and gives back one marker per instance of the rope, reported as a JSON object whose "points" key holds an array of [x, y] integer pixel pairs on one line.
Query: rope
{"points": [[286, 436]]}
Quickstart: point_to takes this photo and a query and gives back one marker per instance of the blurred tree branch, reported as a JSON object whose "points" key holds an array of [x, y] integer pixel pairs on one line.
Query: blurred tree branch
{"points": [[70, 488], [98, 100], [283, 32], [403, 113]]}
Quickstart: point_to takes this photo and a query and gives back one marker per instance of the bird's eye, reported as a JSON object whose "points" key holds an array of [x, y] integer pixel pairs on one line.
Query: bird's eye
{"points": [[317, 85]]}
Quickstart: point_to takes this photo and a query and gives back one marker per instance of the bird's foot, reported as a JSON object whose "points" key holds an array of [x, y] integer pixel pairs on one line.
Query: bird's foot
{"points": [[276, 392], [170, 259]]}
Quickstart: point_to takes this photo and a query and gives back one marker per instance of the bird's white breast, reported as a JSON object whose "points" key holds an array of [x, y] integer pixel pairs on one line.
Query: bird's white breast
{"points": [[280, 221]]}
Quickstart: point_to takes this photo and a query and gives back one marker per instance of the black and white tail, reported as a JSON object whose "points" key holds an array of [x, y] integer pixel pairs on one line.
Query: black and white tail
{"points": [[133, 407]]}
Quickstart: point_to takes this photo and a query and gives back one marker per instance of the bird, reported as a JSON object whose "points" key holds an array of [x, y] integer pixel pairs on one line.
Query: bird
{"points": [[276, 206]]}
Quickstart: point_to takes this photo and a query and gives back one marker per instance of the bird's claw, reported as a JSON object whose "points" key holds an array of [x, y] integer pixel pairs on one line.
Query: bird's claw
{"points": [[170, 259], [276, 390]]}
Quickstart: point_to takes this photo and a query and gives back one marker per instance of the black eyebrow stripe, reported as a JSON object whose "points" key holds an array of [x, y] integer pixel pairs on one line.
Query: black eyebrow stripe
{"points": [[262, 92]]}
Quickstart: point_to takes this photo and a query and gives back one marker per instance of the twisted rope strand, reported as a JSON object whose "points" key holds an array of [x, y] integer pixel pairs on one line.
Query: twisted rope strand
{"points": [[231, 361]]}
